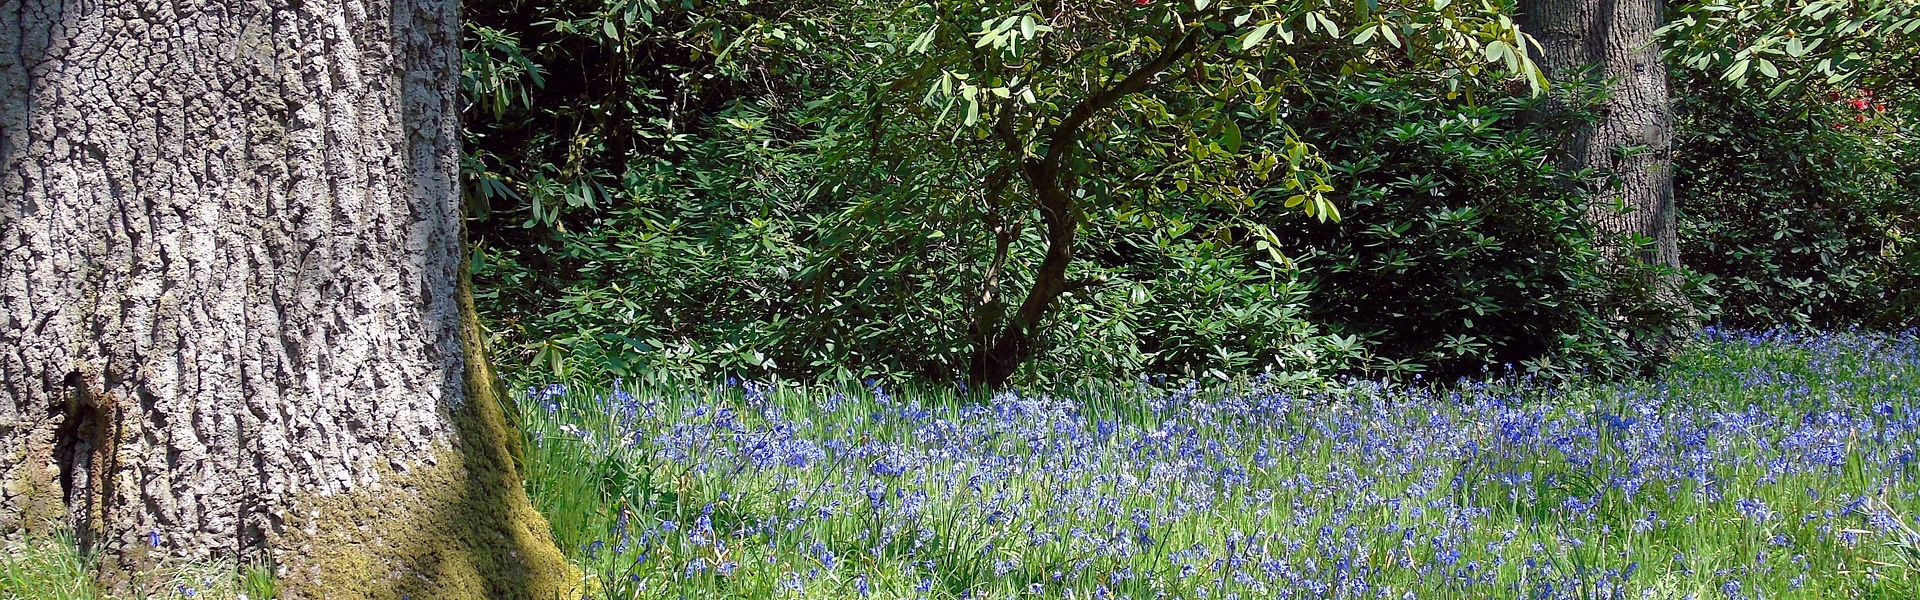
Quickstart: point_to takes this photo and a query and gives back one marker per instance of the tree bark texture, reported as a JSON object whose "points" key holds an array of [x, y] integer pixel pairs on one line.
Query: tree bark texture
{"points": [[233, 319], [1611, 42]]}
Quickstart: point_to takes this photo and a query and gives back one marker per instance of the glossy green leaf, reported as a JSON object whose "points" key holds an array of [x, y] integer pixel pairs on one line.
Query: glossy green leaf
{"points": [[1253, 38], [1230, 138]]}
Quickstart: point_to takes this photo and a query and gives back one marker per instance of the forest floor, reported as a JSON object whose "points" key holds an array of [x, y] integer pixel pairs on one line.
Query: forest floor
{"points": [[1772, 465]]}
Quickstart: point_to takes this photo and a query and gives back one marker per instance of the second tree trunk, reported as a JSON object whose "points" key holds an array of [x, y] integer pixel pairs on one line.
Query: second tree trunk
{"points": [[1611, 42]]}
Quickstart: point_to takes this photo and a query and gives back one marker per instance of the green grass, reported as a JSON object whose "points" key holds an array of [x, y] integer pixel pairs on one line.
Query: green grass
{"points": [[1702, 481], [47, 569], [53, 569]]}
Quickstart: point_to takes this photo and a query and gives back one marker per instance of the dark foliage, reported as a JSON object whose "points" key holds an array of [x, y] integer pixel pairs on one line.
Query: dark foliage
{"points": [[1799, 212], [695, 189]]}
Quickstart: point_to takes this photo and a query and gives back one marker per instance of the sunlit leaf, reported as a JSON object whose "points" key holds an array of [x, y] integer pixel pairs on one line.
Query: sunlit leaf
{"points": [[1253, 37]]}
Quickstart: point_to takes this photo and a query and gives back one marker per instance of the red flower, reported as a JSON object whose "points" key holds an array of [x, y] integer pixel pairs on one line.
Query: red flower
{"points": [[1858, 104], [1860, 118], [1878, 107], [1142, 2]]}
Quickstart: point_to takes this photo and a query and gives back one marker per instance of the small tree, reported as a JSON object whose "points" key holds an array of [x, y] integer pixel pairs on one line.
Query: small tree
{"points": [[1031, 121]]}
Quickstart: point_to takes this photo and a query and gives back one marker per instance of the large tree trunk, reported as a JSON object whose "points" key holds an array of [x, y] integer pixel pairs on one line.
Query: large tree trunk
{"points": [[233, 321], [1612, 41]]}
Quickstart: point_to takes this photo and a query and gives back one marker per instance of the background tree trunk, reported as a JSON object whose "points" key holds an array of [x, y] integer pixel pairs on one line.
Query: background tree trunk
{"points": [[1612, 41], [233, 321]]}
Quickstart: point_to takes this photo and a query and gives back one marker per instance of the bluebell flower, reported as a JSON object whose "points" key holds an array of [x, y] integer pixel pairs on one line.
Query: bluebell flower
{"points": [[1754, 509]]}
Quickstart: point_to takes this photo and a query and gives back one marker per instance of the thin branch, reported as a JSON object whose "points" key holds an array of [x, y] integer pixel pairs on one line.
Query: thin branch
{"points": [[1083, 283], [1063, 136]]}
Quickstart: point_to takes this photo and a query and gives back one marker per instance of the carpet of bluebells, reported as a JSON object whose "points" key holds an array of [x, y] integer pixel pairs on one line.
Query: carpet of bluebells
{"points": [[1759, 465]]}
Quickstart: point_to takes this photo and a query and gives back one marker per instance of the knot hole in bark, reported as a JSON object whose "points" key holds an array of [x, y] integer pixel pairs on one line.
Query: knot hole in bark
{"points": [[78, 446]]}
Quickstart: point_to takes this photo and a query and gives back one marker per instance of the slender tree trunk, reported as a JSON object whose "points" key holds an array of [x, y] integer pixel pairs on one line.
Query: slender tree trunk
{"points": [[233, 317], [1002, 344], [1612, 41]]}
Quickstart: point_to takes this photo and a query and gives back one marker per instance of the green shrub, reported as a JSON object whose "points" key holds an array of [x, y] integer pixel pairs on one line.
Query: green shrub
{"points": [[1462, 245], [1800, 211], [735, 241], [666, 188]]}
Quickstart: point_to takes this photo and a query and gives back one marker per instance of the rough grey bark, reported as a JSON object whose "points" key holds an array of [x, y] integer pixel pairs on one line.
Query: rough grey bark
{"points": [[1612, 41], [231, 298]]}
